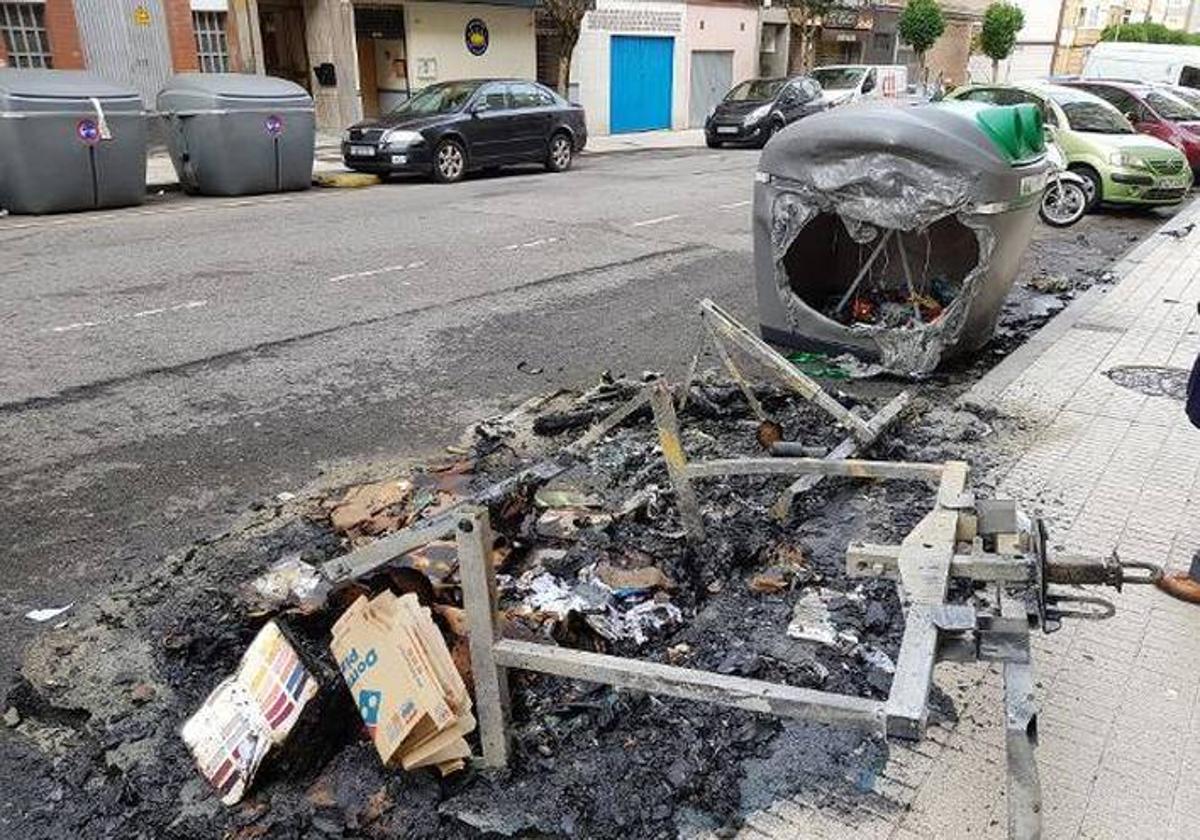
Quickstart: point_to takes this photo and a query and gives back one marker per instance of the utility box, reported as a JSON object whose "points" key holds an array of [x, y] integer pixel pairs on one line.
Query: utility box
{"points": [[238, 134], [69, 141], [895, 233]]}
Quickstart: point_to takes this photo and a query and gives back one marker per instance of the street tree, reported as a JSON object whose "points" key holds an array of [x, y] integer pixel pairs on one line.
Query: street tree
{"points": [[1001, 23], [921, 24], [567, 17], [807, 14]]}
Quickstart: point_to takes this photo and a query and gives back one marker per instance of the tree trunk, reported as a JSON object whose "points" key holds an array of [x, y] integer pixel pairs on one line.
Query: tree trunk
{"points": [[564, 74], [995, 70]]}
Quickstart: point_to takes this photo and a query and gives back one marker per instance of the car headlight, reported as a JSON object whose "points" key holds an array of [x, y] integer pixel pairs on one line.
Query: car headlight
{"points": [[346, 136], [756, 115], [1126, 160], [398, 137], [711, 112]]}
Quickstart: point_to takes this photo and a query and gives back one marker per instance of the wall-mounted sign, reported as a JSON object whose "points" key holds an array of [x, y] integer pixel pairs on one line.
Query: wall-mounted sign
{"points": [[141, 16], [476, 36]]}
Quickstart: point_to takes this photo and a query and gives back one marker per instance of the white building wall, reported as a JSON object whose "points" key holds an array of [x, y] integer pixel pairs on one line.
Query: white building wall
{"points": [[590, 63], [1033, 56], [436, 45]]}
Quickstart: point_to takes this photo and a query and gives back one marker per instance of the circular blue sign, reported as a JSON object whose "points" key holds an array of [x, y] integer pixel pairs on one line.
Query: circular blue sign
{"points": [[476, 36], [88, 131], [273, 125]]}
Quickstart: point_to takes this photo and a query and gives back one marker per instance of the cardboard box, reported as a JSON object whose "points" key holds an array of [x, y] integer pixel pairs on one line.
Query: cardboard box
{"points": [[249, 713], [403, 681]]}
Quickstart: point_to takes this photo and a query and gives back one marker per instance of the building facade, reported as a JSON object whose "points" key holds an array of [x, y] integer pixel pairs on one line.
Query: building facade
{"points": [[1084, 20], [867, 32], [1033, 56]]}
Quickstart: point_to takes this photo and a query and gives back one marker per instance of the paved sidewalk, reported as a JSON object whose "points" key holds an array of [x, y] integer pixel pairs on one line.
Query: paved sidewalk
{"points": [[1119, 728], [160, 173]]}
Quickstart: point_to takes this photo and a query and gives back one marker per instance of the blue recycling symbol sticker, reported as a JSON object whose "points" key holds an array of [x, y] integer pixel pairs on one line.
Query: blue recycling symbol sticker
{"points": [[368, 706]]}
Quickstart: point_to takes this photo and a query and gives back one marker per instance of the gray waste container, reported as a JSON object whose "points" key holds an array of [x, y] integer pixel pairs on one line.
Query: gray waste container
{"points": [[69, 141], [238, 134], [895, 233]]}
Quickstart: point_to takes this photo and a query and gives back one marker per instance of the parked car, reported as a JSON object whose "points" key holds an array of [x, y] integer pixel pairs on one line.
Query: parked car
{"points": [[757, 108], [845, 83], [1173, 64], [1120, 165], [1153, 111], [450, 128]]}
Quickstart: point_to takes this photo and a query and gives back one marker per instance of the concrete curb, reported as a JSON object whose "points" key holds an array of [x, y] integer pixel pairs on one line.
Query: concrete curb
{"points": [[993, 383]]}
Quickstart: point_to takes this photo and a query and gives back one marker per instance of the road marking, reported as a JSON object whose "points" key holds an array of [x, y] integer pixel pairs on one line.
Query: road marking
{"points": [[145, 313], [733, 206], [537, 243], [374, 272], [659, 220]]}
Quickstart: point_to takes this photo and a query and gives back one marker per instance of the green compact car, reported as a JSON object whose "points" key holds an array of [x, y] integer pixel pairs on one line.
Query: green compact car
{"points": [[1120, 165]]}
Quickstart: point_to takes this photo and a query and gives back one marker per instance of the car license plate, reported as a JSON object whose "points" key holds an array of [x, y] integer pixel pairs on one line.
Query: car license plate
{"points": [[362, 151], [1174, 182], [399, 160], [727, 129]]}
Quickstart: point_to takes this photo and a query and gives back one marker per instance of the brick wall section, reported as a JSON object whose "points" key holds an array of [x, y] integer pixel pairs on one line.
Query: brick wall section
{"points": [[181, 36], [63, 33], [949, 53]]}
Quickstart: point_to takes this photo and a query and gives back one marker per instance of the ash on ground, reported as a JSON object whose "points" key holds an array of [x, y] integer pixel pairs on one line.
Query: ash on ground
{"points": [[95, 717]]}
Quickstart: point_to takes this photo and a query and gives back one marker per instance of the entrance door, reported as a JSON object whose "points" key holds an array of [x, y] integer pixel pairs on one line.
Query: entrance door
{"points": [[712, 77], [640, 83], [125, 41], [285, 53], [368, 84]]}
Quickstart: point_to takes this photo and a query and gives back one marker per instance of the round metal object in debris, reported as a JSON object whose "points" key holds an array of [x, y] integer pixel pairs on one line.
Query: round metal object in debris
{"points": [[1063, 203]]}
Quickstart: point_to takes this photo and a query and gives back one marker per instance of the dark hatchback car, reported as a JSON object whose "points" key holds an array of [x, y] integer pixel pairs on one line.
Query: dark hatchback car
{"points": [[449, 128], [757, 108]]}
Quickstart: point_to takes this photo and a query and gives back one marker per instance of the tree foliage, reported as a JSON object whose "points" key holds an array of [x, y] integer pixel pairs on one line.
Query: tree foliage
{"points": [[567, 16], [1148, 33], [921, 24], [1001, 23], [807, 15]]}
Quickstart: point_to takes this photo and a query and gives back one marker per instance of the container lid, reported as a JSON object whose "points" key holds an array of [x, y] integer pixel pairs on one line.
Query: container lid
{"points": [[1015, 130], [59, 84], [234, 86]]}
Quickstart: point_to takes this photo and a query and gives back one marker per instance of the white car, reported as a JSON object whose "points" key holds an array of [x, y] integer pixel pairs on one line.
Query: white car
{"points": [[845, 83]]}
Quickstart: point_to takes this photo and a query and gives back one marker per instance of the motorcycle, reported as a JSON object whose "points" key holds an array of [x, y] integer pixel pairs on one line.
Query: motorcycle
{"points": [[1065, 198]]}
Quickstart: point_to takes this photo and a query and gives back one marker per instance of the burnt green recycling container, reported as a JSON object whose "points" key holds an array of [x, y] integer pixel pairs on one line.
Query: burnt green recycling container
{"points": [[895, 233], [69, 141], [238, 134]]}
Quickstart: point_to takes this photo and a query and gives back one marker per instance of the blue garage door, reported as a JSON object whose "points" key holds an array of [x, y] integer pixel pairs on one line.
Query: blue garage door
{"points": [[640, 84]]}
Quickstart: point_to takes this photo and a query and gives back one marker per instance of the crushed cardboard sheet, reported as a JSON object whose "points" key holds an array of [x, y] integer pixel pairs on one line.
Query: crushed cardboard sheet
{"points": [[248, 713], [412, 699]]}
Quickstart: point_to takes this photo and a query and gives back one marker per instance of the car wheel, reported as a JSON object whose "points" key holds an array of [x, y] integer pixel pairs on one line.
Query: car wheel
{"points": [[712, 142], [558, 158], [449, 161], [1093, 185]]}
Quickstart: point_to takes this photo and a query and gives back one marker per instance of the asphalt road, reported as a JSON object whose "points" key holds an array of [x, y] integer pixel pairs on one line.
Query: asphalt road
{"points": [[163, 368]]}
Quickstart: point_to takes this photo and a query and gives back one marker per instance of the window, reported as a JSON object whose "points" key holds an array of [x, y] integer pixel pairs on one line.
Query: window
{"points": [[212, 45], [525, 95], [23, 27], [494, 98]]}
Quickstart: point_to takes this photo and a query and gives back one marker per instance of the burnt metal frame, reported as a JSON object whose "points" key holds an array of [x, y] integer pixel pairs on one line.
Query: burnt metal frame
{"points": [[723, 329]]}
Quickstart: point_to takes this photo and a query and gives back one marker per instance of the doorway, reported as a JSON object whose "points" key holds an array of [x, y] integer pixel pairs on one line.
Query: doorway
{"points": [[382, 58], [712, 77], [285, 51], [640, 83]]}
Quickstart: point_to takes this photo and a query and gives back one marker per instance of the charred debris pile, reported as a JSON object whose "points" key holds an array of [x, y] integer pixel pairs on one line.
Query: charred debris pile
{"points": [[593, 557]]}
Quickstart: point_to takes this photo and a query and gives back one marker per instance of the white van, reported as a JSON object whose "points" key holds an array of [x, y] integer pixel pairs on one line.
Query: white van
{"points": [[1174, 64], [844, 83]]}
